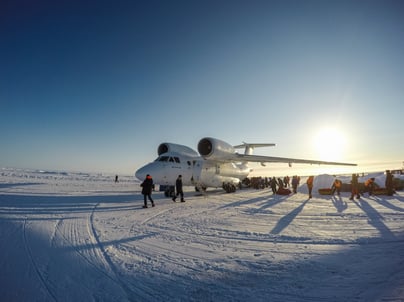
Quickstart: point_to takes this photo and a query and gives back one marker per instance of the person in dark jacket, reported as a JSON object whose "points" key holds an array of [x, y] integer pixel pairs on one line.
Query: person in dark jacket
{"points": [[389, 183], [178, 187], [147, 187], [295, 183], [273, 183]]}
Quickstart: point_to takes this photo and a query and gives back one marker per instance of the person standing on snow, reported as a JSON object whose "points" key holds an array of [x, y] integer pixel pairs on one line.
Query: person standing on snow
{"points": [[273, 184], [389, 183], [336, 186], [369, 185], [178, 187], [295, 183], [147, 187], [286, 180], [355, 187], [309, 183]]}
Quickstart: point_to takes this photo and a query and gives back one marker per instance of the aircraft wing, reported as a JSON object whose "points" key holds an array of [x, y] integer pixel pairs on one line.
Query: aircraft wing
{"points": [[271, 159]]}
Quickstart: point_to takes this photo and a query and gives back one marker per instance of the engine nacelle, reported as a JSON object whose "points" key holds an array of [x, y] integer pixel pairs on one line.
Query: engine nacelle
{"points": [[175, 148], [213, 148]]}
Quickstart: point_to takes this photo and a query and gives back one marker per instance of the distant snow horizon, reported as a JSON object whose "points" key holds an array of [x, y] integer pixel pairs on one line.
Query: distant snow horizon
{"points": [[255, 173]]}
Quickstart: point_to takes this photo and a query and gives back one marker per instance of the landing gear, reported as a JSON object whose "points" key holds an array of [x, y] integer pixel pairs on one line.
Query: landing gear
{"points": [[229, 187], [200, 188], [169, 191]]}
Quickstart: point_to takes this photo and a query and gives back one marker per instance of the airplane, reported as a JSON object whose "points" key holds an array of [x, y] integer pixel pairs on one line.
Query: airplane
{"points": [[216, 165]]}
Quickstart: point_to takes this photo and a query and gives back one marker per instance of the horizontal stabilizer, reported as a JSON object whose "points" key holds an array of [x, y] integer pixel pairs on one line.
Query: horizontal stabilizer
{"points": [[253, 145], [249, 148]]}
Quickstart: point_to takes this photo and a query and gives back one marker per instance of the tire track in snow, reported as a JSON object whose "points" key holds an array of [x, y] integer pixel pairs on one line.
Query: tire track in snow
{"points": [[140, 293], [55, 231], [80, 253], [33, 262], [154, 216]]}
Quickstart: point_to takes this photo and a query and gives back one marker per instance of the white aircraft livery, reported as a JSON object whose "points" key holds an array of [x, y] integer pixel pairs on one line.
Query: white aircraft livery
{"points": [[216, 165]]}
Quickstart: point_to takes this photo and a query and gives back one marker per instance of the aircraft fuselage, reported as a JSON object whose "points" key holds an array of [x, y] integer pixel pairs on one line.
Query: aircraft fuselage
{"points": [[195, 171]]}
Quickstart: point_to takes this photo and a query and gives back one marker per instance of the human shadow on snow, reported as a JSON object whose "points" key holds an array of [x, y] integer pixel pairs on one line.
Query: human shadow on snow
{"points": [[264, 201], [287, 219], [44, 204], [339, 204], [374, 218], [386, 204]]}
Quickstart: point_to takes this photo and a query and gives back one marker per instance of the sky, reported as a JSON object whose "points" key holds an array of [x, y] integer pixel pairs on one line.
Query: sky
{"points": [[97, 85]]}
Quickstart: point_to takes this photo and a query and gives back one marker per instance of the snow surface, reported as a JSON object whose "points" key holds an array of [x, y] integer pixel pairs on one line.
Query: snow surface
{"points": [[82, 237]]}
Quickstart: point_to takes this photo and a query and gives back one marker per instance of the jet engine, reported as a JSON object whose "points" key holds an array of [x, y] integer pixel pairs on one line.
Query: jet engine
{"points": [[175, 148], [213, 148]]}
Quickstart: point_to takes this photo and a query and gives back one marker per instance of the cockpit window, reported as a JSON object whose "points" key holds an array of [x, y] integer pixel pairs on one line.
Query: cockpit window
{"points": [[168, 159], [162, 158]]}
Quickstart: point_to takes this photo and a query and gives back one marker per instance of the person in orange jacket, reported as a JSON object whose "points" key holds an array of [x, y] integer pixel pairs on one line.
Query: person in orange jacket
{"points": [[309, 183], [370, 185], [336, 186]]}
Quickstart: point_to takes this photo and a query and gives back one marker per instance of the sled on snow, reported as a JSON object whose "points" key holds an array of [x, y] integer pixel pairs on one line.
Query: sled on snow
{"points": [[325, 191], [283, 191]]}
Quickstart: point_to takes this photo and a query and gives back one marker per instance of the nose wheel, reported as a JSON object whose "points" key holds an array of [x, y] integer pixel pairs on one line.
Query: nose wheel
{"points": [[200, 188]]}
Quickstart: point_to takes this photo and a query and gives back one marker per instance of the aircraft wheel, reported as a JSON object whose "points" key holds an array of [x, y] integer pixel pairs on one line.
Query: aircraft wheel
{"points": [[229, 188], [169, 193], [198, 189]]}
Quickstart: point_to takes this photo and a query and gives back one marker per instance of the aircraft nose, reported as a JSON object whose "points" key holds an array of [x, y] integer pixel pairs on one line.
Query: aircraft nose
{"points": [[141, 173], [150, 169]]}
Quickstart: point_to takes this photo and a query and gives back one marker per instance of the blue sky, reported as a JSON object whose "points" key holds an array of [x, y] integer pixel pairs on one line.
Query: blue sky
{"points": [[97, 85]]}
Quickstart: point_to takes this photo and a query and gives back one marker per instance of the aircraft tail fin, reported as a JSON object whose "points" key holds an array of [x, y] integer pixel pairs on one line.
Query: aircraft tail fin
{"points": [[249, 148]]}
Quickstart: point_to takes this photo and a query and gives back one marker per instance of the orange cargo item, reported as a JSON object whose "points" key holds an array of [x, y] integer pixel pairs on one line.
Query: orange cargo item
{"points": [[379, 191], [325, 191]]}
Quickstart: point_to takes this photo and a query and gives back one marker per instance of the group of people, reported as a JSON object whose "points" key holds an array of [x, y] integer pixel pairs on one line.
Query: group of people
{"points": [[369, 185], [148, 186], [275, 183], [279, 184]]}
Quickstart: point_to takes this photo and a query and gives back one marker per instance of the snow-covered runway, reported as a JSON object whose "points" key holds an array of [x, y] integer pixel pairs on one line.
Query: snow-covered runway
{"points": [[75, 236]]}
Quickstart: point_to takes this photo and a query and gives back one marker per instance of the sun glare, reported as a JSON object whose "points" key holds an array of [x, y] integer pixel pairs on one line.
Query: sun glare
{"points": [[329, 144]]}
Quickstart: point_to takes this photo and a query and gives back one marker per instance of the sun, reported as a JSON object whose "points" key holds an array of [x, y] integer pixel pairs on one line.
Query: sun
{"points": [[329, 144]]}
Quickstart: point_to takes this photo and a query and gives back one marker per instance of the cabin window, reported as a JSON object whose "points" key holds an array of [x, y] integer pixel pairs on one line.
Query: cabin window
{"points": [[189, 163]]}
